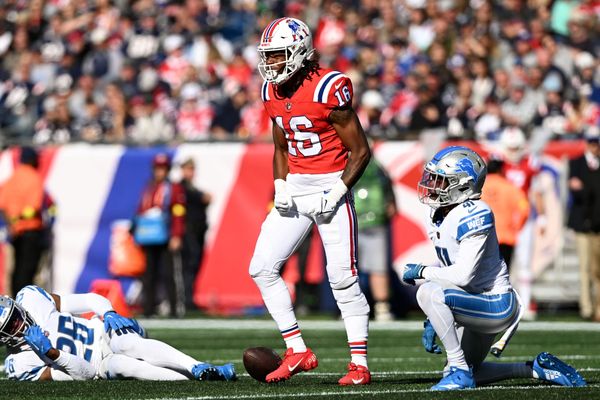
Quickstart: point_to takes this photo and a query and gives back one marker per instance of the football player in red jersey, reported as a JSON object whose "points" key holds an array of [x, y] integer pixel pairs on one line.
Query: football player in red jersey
{"points": [[320, 152], [521, 168]]}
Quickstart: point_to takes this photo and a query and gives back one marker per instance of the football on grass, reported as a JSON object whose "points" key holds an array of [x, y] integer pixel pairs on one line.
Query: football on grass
{"points": [[260, 362]]}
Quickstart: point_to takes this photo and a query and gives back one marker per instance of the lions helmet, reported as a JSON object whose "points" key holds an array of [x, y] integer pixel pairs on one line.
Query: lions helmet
{"points": [[454, 175], [14, 321], [291, 36]]}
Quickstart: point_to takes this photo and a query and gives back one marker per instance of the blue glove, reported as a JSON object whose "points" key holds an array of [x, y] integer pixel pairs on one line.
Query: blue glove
{"points": [[428, 339], [114, 321], [37, 339], [412, 272]]}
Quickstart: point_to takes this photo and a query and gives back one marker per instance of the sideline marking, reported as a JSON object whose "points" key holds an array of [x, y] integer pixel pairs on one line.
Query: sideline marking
{"points": [[256, 324]]}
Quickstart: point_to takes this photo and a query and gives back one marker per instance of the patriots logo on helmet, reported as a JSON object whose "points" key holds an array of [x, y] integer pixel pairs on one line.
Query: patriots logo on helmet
{"points": [[294, 26]]}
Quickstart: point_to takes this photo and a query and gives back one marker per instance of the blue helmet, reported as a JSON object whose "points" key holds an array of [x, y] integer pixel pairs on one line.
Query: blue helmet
{"points": [[454, 175], [14, 321]]}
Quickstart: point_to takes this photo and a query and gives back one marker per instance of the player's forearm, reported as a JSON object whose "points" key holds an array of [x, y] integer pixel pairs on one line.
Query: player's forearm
{"points": [[82, 303], [462, 272], [357, 163], [76, 367], [280, 165]]}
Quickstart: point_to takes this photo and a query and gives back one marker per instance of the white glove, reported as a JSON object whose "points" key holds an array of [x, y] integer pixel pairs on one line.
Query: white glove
{"points": [[330, 199], [283, 200]]}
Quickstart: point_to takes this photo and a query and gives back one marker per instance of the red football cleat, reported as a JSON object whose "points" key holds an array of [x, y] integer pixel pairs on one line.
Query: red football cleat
{"points": [[357, 375], [292, 364]]}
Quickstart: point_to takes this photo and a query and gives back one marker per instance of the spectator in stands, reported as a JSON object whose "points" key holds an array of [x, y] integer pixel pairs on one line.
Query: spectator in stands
{"points": [[510, 207], [520, 107], [383, 45], [196, 224], [584, 219], [159, 227], [195, 113], [24, 204], [149, 124]]}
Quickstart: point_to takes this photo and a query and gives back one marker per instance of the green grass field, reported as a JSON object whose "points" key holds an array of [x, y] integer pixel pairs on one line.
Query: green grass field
{"points": [[401, 368]]}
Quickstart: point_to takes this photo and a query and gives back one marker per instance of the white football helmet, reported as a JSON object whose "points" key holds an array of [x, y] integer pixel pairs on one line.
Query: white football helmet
{"points": [[14, 321], [291, 36], [454, 175], [513, 142]]}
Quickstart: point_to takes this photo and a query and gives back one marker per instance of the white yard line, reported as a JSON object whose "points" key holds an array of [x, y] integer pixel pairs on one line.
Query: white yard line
{"points": [[368, 391], [254, 324]]}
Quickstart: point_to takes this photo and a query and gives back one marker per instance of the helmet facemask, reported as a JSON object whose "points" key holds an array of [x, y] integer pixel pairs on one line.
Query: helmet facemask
{"points": [[16, 323], [434, 189]]}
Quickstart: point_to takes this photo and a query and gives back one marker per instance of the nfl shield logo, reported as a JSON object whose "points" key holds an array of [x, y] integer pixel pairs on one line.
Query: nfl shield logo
{"points": [[288, 106]]}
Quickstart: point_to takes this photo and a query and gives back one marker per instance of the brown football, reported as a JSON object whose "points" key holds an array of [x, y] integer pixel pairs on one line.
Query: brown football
{"points": [[261, 361]]}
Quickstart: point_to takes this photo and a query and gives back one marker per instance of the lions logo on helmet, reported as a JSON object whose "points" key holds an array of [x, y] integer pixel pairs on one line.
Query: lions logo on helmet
{"points": [[453, 175], [288, 35], [14, 321]]}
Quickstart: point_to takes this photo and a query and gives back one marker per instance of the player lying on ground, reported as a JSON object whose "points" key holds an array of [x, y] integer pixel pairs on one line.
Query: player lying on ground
{"points": [[46, 341], [468, 298]]}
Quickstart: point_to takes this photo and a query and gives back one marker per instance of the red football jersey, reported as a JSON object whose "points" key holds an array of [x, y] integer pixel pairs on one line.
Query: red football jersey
{"points": [[314, 146], [521, 173]]}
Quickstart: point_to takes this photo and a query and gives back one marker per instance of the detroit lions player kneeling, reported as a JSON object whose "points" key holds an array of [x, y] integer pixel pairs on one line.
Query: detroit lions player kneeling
{"points": [[46, 341], [468, 298]]}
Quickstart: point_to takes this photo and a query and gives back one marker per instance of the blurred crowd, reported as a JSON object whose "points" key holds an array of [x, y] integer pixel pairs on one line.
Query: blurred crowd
{"points": [[182, 70]]}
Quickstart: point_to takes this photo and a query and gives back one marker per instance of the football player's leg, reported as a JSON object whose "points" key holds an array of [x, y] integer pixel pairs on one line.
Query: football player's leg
{"points": [[339, 236], [153, 352], [278, 239], [432, 301], [476, 347], [120, 366]]}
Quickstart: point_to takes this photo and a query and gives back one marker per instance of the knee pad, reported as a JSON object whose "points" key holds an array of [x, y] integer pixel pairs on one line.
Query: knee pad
{"points": [[430, 292], [262, 266], [350, 299]]}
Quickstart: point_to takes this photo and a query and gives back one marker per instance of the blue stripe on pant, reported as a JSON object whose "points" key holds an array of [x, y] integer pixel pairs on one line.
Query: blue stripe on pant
{"points": [[485, 313]]}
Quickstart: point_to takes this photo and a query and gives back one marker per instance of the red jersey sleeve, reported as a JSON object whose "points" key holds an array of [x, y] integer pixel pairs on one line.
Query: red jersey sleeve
{"points": [[339, 92]]}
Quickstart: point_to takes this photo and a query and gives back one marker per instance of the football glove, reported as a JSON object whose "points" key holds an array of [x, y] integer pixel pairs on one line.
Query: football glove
{"points": [[114, 321], [37, 339], [330, 199], [412, 272], [283, 201], [428, 339]]}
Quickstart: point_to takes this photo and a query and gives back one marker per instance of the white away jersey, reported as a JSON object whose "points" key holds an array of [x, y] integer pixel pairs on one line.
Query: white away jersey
{"points": [[467, 247], [78, 336]]}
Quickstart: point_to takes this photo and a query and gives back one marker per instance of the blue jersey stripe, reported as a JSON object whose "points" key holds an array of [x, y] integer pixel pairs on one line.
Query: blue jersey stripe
{"points": [[324, 85], [479, 305], [476, 223]]}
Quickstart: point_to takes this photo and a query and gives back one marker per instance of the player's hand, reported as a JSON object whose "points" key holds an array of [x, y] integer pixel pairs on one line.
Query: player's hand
{"points": [[283, 200], [428, 339], [37, 339], [114, 321], [412, 272], [330, 199]]}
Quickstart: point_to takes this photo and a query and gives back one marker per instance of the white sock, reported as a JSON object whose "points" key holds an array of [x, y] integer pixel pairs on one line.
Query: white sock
{"points": [[277, 298], [357, 329], [456, 358], [119, 366], [152, 351], [293, 339], [431, 300]]}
